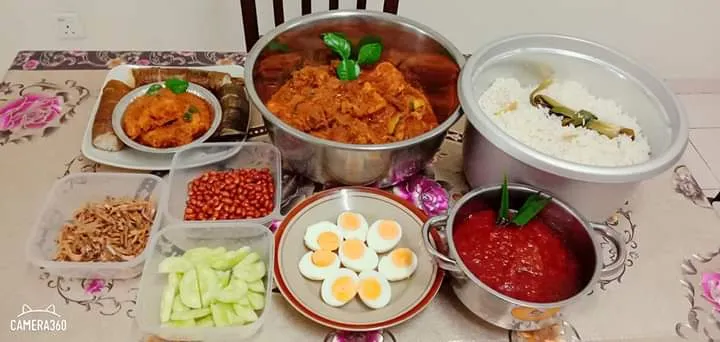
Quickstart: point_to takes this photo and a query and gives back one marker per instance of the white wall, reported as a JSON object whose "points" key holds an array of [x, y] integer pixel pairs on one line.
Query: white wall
{"points": [[678, 39]]}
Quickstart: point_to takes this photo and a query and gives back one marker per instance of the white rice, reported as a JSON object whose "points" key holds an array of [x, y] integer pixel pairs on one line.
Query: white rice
{"points": [[545, 132]]}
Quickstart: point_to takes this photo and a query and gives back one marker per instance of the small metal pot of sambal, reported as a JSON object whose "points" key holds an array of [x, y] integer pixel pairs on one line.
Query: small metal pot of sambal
{"points": [[518, 255]]}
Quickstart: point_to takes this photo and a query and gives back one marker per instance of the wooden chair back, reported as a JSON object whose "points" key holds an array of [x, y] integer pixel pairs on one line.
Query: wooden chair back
{"points": [[250, 18]]}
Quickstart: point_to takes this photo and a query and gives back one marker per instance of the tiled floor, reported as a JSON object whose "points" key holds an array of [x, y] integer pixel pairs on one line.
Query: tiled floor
{"points": [[703, 153]]}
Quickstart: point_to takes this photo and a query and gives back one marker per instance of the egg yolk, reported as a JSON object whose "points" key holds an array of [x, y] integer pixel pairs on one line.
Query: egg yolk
{"points": [[370, 288], [328, 241], [322, 258], [388, 230], [353, 249], [402, 257], [350, 221], [344, 288]]}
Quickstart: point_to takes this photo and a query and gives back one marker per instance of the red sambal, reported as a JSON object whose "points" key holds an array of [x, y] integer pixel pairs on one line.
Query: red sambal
{"points": [[530, 263]]}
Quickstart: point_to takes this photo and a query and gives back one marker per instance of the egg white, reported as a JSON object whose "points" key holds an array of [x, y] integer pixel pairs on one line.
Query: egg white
{"points": [[326, 287], [358, 234], [378, 243], [385, 291], [314, 230], [368, 261], [315, 272], [394, 273]]}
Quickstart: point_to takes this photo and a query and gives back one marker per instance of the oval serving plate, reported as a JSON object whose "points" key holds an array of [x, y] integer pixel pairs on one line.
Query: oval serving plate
{"points": [[409, 296], [194, 89]]}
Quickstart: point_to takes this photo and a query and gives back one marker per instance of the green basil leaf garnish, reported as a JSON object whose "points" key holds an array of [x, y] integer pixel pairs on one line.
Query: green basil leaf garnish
{"points": [[187, 116], [532, 206], [177, 85], [369, 53], [153, 89], [348, 70], [338, 43], [192, 109]]}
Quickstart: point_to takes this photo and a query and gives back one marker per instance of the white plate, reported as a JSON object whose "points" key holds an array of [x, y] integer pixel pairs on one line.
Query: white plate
{"points": [[128, 158]]}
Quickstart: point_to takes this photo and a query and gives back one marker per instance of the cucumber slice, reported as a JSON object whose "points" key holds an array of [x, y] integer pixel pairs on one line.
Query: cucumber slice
{"points": [[220, 314], [244, 301], [175, 264], [205, 322], [208, 283], [233, 293], [250, 273], [189, 314], [250, 259], [227, 260], [190, 290], [246, 313], [168, 296], [204, 255], [178, 306], [181, 324], [257, 300], [223, 278], [257, 286]]}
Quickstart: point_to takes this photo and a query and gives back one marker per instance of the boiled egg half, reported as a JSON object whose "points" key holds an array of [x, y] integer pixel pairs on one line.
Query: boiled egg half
{"points": [[322, 235], [357, 257], [318, 265], [374, 289], [384, 235], [399, 264], [353, 226], [339, 288]]}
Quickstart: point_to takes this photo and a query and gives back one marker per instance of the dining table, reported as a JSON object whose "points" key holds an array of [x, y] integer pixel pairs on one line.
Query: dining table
{"points": [[665, 291]]}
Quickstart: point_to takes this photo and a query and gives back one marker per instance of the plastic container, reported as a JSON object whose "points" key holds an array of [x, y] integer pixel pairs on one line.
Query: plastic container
{"points": [[194, 161], [71, 193], [175, 240]]}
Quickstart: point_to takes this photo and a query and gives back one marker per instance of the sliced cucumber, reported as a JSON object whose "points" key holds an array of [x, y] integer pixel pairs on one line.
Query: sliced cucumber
{"points": [[220, 314], [208, 284], [257, 300], [251, 272], [168, 296], [205, 322], [250, 259], [189, 314], [223, 278], [227, 260], [233, 293], [257, 286], [175, 264], [244, 301], [178, 306], [181, 324], [190, 290], [246, 313]]}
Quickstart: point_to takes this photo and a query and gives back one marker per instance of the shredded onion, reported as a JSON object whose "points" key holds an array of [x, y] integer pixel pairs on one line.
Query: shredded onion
{"points": [[116, 229]]}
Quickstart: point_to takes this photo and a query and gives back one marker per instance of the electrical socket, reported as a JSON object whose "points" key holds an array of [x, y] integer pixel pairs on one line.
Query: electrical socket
{"points": [[69, 26]]}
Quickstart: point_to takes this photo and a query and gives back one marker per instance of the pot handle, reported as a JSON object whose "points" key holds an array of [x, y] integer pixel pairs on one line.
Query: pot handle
{"points": [[617, 239], [437, 224]]}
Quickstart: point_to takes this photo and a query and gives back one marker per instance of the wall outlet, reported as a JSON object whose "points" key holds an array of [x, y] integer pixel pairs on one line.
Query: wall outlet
{"points": [[69, 26]]}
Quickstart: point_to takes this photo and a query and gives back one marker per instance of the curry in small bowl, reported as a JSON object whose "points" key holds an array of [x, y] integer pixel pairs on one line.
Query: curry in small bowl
{"points": [[164, 117]]}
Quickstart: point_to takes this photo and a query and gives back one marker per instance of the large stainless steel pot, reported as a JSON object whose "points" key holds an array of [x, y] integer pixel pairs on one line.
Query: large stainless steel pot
{"points": [[597, 192], [332, 162], [495, 307]]}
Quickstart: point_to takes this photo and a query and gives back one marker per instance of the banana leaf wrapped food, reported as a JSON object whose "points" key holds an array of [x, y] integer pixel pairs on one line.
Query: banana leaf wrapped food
{"points": [[212, 80], [235, 111], [103, 135]]}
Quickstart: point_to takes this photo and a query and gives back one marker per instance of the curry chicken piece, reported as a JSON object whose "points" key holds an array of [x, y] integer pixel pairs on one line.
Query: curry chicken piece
{"points": [[379, 107], [167, 119]]}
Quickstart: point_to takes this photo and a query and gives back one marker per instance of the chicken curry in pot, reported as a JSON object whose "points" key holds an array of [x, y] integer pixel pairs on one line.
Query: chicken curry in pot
{"points": [[353, 97]]}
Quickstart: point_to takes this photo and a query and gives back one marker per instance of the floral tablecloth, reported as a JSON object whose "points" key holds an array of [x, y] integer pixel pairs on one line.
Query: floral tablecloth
{"points": [[670, 230]]}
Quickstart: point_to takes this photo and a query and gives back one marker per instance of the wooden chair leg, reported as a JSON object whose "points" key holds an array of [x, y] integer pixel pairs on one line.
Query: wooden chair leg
{"points": [[391, 6], [250, 23]]}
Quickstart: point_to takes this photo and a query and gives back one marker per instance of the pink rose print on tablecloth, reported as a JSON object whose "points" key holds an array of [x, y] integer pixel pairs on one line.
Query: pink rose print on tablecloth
{"points": [[425, 193], [30, 64], [94, 286], [711, 289], [142, 62], [32, 111]]}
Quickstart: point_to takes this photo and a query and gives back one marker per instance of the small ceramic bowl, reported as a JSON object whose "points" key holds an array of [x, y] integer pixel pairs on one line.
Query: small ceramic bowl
{"points": [[194, 89], [409, 296]]}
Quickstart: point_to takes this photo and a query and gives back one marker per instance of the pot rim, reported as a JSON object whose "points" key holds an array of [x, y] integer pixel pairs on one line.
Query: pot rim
{"points": [[521, 187], [321, 16], [545, 162]]}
